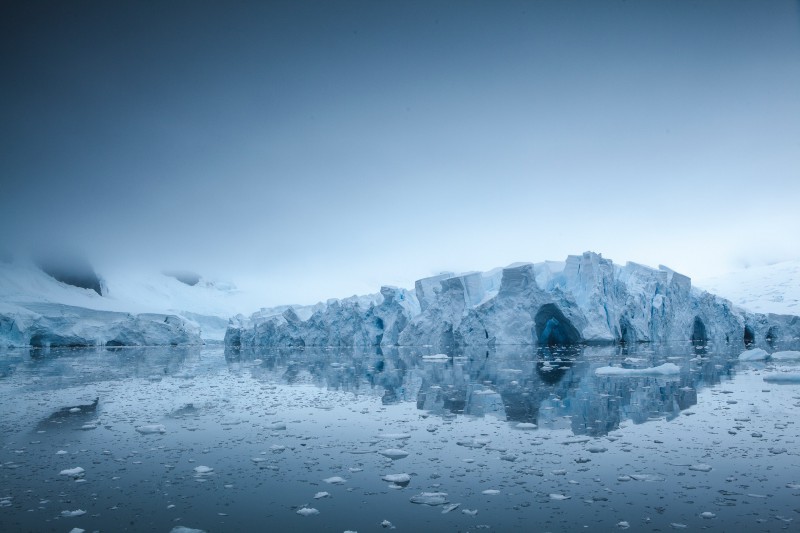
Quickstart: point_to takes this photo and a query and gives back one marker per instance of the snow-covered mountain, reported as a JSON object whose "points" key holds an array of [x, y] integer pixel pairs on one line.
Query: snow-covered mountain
{"points": [[763, 289], [585, 299]]}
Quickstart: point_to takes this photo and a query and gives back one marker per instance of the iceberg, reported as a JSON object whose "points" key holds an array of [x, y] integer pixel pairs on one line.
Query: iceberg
{"points": [[586, 299]]}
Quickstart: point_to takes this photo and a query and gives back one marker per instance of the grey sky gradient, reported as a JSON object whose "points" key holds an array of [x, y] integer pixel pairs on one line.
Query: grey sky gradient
{"points": [[320, 149]]}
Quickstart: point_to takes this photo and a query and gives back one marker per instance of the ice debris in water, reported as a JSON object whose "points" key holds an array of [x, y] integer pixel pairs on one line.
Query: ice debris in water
{"points": [[490, 492], [469, 512], [783, 377], [277, 426], [756, 354], [707, 514], [559, 497], [785, 355], [394, 436], [450, 507], [397, 478], [526, 425], [307, 511], [61, 452], [388, 524], [320, 495], [430, 498], [436, 357], [70, 514], [77, 530], [203, 469], [623, 524], [661, 370], [72, 472], [151, 428], [335, 480], [394, 453], [184, 529], [701, 467]]}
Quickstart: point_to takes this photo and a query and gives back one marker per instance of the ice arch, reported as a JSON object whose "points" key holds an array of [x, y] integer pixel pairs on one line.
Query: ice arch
{"points": [[553, 328]]}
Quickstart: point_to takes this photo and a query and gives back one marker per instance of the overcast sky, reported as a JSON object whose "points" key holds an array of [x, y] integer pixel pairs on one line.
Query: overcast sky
{"points": [[321, 149]]}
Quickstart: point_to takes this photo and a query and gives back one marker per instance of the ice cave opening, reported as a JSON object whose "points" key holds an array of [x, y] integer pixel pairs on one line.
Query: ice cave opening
{"points": [[699, 336], [749, 337], [553, 328]]}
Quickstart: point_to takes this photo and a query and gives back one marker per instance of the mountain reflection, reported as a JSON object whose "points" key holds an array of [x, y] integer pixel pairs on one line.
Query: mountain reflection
{"points": [[551, 387]]}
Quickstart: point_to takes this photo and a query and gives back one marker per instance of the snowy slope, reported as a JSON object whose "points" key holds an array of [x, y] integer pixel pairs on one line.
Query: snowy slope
{"points": [[209, 304], [763, 289]]}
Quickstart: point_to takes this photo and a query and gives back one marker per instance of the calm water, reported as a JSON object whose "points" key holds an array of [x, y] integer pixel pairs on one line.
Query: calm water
{"points": [[519, 439]]}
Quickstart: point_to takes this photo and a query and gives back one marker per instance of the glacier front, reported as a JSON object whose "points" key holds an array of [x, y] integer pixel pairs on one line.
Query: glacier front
{"points": [[586, 299]]}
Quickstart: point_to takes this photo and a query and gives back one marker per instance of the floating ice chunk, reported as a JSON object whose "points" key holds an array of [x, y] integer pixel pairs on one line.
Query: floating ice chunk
{"points": [[490, 492], [429, 498], [707, 514], [388, 524], [394, 453], [662, 370], [436, 357], [203, 469], [776, 450], [72, 472], [701, 467], [151, 428], [450, 507], [526, 425], [61, 452], [596, 449], [647, 477], [783, 377], [90, 426], [335, 480], [70, 514], [77, 530], [258, 459], [558, 497], [184, 529], [277, 426], [756, 354], [320, 495], [469, 512], [307, 511], [394, 436], [676, 525], [397, 478], [785, 355], [623, 524]]}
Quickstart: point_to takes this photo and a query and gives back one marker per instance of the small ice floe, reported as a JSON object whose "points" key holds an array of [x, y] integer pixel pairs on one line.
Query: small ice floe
{"points": [[307, 511], [70, 514], [700, 467], [276, 426], [662, 370], [394, 453], [72, 472], [576, 440], [776, 450], [335, 480], [203, 470], [89, 426], [490, 492], [793, 485], [596, 449], [559, 497], [786, 355], [429, 498], [707, 515], [450, 507], [77, 530], [436, 357], [397, 479], [677, 525], [394, 436], [783, 377], [61, 452], [647, 477], [321, 495], [623, 524], [387, 524], [184, 529], [469, 512], [526, 425], [150, 429], [756, 354], [277, 448], [258, 459], [474, 442]]}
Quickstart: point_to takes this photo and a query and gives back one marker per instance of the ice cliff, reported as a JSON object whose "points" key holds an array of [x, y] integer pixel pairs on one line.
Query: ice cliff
{"points": [[46, 325], [586, 299]]}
